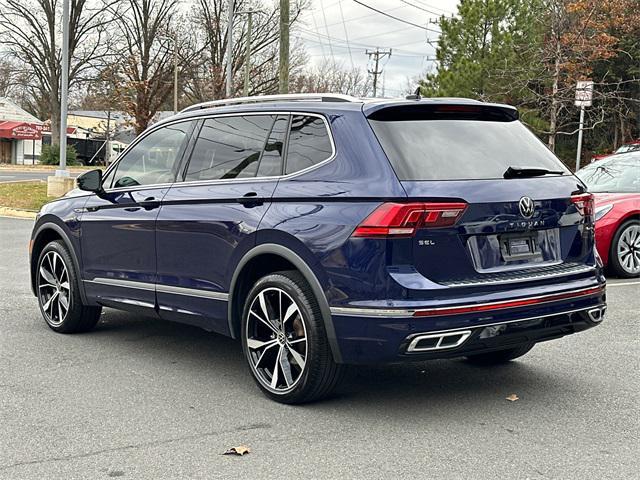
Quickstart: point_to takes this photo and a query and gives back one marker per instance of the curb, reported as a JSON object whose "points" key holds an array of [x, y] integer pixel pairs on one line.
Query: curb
{"points": [[17, 213]]}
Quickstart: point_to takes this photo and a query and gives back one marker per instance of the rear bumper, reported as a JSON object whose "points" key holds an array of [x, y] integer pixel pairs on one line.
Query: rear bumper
{"points": [[395, 335]]}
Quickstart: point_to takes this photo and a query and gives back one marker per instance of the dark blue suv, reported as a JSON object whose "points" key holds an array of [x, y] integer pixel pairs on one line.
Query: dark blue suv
{"points": [[327, 230]]}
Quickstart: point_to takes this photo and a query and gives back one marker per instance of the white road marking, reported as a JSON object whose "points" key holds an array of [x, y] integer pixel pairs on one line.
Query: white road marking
{"points": [[622, 284]]}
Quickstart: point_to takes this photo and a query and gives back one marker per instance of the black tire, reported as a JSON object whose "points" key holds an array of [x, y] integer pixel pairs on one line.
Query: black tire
{"points": [[78, 317], [320, 374], [615, 264], [500, 356]]}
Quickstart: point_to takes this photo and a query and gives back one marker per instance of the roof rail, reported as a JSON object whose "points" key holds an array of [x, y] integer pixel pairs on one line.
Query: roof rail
{"points": [[294, 97]]}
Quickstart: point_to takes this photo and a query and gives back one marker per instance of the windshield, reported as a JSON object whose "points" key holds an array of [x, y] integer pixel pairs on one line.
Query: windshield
{"points": [[630, 147], [460, 149], [619, 174]]}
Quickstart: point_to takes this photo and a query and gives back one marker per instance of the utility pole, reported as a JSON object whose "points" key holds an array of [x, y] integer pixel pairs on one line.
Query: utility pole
{"points": [[283, 68], [377, 55], [229, 78], [62, 170], [175, 73], [247, 51]]}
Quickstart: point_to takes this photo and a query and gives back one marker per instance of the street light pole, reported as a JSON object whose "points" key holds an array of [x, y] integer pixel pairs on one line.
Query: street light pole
{"points": [[229, 78], [64, 89]]}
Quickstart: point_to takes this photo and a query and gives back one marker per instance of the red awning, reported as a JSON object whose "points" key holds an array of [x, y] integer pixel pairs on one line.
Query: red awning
{"points": [[20, 130]]}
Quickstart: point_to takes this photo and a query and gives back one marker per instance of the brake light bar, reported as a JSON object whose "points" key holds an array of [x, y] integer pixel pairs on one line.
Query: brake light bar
{"points": [[403, 219], [584, 203], [435, 312]]}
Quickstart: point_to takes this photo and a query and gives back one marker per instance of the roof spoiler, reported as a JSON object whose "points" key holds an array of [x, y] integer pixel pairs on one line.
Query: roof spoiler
{"points": [[440, 109]]}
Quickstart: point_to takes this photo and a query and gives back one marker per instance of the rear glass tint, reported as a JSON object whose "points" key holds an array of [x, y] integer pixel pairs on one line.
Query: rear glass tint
{"points": [[309, 143], [460, 149]]}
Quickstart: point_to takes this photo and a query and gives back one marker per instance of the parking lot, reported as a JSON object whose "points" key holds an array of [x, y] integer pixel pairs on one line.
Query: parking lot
{"points": [[143, 398]]}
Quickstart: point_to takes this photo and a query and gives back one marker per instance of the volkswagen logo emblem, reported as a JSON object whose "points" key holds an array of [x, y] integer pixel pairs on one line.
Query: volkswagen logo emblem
{"points": [[526, 207]]}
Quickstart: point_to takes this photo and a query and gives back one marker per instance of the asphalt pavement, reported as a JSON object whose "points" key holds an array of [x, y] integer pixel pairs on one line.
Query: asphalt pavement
{"points": [[7, 175], [146, 399]]}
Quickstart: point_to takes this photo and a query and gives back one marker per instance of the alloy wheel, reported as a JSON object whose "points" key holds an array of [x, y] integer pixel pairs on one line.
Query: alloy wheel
{"points": [[54, 290], [629, 250], [276, 340]]}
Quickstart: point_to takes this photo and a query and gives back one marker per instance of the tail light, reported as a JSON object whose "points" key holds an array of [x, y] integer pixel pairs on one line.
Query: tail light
{"points": [[584, 204], [403, 219]]}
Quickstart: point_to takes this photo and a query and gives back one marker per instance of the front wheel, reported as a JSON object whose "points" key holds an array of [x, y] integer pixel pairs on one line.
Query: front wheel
{"points": [[284, 340], [625, 250], [57, 288], [501, 356]]}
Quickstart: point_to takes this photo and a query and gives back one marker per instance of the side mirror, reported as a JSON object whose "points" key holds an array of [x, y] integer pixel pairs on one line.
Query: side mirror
{"points": [[91, 181]]}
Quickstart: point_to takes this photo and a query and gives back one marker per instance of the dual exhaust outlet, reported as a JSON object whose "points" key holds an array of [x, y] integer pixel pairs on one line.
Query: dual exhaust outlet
{"points": [[447, 340]]}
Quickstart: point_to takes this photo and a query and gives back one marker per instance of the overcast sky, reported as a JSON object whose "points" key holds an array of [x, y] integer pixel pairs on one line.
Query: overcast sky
{"points": [[325, 34]]}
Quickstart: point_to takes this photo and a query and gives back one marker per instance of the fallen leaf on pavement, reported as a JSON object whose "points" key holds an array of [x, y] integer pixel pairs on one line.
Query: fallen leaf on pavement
{"points": [[241, 450], [513, 397]]}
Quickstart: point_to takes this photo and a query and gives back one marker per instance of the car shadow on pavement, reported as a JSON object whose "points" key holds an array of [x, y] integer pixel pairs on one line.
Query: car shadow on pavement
{"points": [[438, 384]]}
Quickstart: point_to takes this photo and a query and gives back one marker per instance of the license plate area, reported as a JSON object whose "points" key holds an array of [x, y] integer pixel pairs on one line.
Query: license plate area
{"points": [[518, 246], [491, 253]]}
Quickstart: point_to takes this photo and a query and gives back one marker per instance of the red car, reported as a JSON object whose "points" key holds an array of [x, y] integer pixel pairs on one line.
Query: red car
{"points": [[615, 184], [632, 146]]}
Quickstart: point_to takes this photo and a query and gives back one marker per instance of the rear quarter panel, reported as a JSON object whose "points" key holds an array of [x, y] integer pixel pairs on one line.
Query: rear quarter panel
{"points": [[315, 213]]}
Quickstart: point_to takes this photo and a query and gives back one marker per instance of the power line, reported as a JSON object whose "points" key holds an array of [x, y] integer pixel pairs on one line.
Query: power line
{"points": [[324, 17], [394, 17], [315, 26], [342, 41], [346, 35], [420, 8], [446, 12], [362, 16]]}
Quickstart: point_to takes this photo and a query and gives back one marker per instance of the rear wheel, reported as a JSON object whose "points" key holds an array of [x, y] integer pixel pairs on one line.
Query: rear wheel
{"points": [[284, 340], [58, 292], [500, 356], [624, 258]]}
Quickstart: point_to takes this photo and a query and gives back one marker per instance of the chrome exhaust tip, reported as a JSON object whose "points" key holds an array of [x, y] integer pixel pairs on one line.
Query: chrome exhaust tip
{"points": [[596, 315], [438, 341]]}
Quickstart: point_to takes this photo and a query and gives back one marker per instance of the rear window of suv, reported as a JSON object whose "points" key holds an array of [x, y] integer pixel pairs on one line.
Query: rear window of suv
{"points": [[459, 149]]}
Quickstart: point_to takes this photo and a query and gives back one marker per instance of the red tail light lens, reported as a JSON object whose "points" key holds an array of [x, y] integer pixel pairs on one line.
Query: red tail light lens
{"points": [[584, 204], [403, 219]]}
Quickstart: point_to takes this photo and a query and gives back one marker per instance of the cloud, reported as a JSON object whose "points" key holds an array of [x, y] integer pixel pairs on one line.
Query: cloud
{"points": [[325, 35]]}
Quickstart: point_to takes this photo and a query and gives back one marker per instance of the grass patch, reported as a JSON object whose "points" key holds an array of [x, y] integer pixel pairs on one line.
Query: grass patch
{"points": [[27, 195]]}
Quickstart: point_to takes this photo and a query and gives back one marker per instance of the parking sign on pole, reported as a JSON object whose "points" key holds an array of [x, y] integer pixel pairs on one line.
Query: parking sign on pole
{"points": [[584, 98]]}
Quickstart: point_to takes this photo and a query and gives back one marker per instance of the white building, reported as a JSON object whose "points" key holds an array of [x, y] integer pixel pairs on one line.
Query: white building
{"points": [[20, 134]]}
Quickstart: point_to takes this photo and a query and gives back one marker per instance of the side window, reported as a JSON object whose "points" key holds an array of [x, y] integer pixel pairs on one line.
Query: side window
{"points": [[154, 159], [229, 147], [309, 143], [271, 160]]}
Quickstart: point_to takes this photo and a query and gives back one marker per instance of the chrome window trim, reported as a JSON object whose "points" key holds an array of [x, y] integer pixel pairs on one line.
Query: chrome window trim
{"points": [[191, 292], [229, 181], [409, 312]]}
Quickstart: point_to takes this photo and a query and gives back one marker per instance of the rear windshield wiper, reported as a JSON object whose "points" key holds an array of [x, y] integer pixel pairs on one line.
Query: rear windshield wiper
{"points": [[524, 172]]}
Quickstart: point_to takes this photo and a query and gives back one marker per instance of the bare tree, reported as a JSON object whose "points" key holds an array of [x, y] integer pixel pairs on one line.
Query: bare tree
{"points": [[332, 77], [209, 18], [151, 33], [31, 32]]}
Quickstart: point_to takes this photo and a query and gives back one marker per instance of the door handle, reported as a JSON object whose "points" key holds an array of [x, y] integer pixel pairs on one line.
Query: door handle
{"points": [[250, 199], [149, 203]]}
